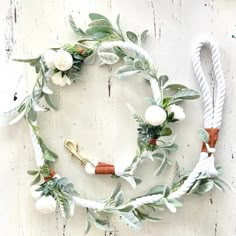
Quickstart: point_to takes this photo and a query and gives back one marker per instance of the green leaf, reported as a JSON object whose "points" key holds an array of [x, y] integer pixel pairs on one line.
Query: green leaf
{"points": [[186, 94], [132, 36], [32, 115], [131, 220], [166, 131], [36, 180], [100, 22], [204, 136], [126, 208], [162, 80], [32, 172], [47, 155], [143, 36], [162, 167], [50, 102], [88, 227], [91, 58], [171, 148], [102, 224], [99, 32], [137, 180], [158, 189], [108, 58], [175, 87], [96, 16], [205, 187], [119, 52], [77, 30], [138, 64], [195, 187], [166, 191], [118, 23], [119, 199], [126, 71], [175, 202]]}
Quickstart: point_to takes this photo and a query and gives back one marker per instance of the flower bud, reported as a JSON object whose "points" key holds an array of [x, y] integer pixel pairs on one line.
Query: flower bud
{"points": [[155, 115]]}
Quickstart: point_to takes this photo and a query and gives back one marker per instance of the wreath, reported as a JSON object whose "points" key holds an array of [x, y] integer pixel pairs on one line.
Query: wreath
{"points": [[61, 66]]}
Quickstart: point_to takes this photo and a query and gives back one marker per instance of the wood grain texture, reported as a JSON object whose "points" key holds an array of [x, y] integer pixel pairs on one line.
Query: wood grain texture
{"points": [[94, 111]]}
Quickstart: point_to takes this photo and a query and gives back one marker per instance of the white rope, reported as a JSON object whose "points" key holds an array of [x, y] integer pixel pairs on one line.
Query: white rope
{"points": [[212, 115], [212, 119]]}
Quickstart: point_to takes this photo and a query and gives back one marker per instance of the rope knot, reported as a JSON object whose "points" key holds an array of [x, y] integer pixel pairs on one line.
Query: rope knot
{"points": [[213, 137]]}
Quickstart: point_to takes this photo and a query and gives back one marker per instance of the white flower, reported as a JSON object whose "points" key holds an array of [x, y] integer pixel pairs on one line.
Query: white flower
{"points": [[49, 58], [155, 115], [36, 194], [46, 205], [60, 80], [63, 60], [178, 112]]}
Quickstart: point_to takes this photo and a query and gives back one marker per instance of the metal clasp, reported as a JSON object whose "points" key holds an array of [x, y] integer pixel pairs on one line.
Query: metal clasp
{"points": [[72, 146]]}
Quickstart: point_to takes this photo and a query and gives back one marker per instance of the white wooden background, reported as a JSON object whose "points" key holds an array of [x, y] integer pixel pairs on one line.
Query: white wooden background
{"points": [[101, 122]]}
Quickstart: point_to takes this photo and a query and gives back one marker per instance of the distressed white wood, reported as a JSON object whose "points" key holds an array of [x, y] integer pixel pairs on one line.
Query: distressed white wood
{"points": [[102, 123]]}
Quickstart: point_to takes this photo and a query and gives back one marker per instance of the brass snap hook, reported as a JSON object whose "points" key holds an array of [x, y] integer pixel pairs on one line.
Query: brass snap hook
{"points": [[72, 146]]}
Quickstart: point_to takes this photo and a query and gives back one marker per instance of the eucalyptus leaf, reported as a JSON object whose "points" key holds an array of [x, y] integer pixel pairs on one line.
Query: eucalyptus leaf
{"points": [[32, 172], [108, 58], [186, 94], [203, 134], [132, 36], [166, 191], [204, 187], [166, 131], [162, 80], [102, 224], [138, 64], [91, 58], [119, 52], [119, 199], [126, 71], [143, 36], [100, 22], [99, 32], [36, 180], [77, 30], [50, 102], [88, 227], [162, 167], [47, 155], [158, 189], [170, 206], [96, 16], [32, 115], [175, 87], [137, 180], [130, 180], [131, 220]]}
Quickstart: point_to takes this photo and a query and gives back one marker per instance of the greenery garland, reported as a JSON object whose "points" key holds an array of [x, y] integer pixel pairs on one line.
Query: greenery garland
{"points": [[61, 66]]}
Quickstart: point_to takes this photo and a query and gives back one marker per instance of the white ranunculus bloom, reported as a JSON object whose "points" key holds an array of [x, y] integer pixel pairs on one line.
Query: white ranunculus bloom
{"points": [[49, 58], [36, 194], [60, 80], [178, 112], [155, 115], [63, 60], [46, 205]]}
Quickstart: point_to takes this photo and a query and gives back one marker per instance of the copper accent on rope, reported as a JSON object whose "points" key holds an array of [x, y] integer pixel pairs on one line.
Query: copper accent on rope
{"points": [[51, 175], [104, 169], [213, 137]]}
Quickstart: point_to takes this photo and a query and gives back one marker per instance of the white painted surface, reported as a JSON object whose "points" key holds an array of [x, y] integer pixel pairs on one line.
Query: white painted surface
{"points": [[102, 123]]}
